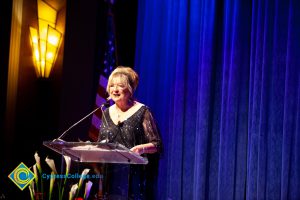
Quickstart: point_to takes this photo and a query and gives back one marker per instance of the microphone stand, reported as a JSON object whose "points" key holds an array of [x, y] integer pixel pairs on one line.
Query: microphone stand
{"points": [[105, 124], [66, 131]]}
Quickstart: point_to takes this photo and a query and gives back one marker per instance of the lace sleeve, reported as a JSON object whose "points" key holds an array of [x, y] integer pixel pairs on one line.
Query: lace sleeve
{"points": [[152, 134]]}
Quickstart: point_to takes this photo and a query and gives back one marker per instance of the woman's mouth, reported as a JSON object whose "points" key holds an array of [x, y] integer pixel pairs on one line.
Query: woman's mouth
{"points": [[115, 95]]}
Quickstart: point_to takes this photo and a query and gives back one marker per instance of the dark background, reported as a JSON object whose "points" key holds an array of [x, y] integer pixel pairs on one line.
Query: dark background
{"points": [[46, 107]]}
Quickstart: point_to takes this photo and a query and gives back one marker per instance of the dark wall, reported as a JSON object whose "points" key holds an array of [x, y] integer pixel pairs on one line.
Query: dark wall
{"points": [[5, 24], [45, 108], [79, 68], [5, 21], [125, 20], [84, 50]]}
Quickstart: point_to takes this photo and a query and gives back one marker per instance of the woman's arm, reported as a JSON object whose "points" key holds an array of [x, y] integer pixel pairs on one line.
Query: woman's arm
{"points": [[153, 141], [144, 148]]}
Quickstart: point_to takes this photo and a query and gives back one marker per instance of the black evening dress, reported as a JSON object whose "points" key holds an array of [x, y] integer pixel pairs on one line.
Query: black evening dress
{"points": [[139, 128]]}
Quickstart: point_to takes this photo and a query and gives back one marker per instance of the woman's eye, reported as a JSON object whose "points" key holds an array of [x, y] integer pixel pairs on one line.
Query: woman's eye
{"points": [[117, 86]]}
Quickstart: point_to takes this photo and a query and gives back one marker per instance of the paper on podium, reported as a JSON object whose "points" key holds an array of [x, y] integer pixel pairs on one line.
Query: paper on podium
{"points": [[96, 152]]}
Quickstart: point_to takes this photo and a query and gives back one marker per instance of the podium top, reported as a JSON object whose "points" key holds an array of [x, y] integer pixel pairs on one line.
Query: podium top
{"points": [[96, 152]]}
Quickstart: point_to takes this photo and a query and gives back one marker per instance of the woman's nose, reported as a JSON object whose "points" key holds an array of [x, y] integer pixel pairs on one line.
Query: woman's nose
{"points": [[115, 88]]}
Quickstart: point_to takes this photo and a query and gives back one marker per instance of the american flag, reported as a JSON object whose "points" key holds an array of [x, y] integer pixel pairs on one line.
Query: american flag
{"points": [[108, 65]]}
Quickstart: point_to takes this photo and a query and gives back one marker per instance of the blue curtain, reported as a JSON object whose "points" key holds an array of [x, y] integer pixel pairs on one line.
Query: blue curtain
{"points": [[223, 81]]}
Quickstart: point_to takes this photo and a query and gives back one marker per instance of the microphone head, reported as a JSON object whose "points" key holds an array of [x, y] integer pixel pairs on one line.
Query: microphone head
{"points": [[106, 104], [120, 124]]}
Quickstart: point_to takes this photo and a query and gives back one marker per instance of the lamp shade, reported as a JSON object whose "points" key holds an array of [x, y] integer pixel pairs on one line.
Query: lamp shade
{"points": [[45, 40]]}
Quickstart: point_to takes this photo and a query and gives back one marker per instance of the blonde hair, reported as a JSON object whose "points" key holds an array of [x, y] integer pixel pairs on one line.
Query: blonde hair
{"points": [[130, 77]]}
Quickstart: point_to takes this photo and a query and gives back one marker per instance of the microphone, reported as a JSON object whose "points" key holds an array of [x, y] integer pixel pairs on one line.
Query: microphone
{"points": [[120, 124], [105, 104]]}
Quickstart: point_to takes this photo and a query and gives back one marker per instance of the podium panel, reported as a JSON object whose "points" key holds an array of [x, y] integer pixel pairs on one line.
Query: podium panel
{"points": [[96, 152]]}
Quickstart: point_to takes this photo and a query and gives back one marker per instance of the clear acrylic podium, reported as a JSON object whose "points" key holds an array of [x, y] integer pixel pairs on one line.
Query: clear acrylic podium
{"points": [[96, 152], [115, 159]]}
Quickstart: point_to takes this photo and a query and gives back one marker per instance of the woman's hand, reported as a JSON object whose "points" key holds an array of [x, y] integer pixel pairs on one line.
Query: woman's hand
{"points": [[144, 148], [139, 149]]}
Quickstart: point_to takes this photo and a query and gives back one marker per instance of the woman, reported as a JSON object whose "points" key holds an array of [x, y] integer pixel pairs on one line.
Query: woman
{"points": [[131, 124]]}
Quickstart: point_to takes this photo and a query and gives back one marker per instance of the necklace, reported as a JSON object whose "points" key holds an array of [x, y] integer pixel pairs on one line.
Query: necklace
{"points": [[121, 114], [118, 115]]}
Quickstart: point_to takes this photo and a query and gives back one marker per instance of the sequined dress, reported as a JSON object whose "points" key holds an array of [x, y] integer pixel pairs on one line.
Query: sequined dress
{"points": [[139, 128]]}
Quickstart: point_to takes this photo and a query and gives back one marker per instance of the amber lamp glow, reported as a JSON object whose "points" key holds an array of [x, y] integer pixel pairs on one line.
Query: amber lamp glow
{"points": [[46, 40]]}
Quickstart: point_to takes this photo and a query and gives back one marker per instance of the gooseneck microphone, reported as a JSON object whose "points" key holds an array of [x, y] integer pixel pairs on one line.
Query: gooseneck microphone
{"points": [[105, 124], [105, 104]]}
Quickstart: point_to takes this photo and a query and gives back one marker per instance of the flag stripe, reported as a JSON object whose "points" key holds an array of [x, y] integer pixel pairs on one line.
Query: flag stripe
{"points": [[105, 68], [93, 133], [103, 81], [99, 100]]}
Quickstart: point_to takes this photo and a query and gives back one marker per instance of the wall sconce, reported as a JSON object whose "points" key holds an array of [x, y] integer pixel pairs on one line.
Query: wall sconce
{"points": [[45, 40]]}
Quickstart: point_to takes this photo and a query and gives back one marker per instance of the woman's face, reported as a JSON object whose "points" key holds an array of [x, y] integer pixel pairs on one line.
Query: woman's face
{"points": [[118, 90]]}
